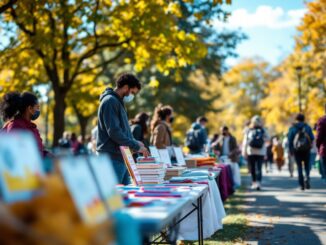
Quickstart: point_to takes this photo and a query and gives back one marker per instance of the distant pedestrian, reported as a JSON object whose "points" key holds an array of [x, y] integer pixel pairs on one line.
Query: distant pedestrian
{"points": [[269, 158], [196, 138], [74, 142], [321, 142], [300, 142], [288, 158], [64, 142], [227, 145], [313, 151], [254, 149], [278, 153]]}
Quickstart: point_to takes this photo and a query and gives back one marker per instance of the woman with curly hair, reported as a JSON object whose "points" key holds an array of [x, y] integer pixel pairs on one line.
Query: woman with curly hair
{"points": [[18, 110]]}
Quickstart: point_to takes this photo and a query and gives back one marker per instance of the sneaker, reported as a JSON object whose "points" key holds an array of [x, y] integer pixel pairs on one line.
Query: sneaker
{"points": [[307, 184], [258, 187], [302, 188], [253, 185]]}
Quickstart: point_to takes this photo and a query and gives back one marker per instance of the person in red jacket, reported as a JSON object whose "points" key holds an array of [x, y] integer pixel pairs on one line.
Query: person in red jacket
{"points": [[18, 111], [321, 142]]}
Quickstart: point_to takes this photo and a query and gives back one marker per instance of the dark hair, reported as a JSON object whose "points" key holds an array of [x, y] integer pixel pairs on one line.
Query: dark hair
{"points": [[225, 128], [15, 104], [160, 113], [315, 126], [202, 119], [300, 117], [128, 79], [73, 137], [215, 137], [141, 119]]}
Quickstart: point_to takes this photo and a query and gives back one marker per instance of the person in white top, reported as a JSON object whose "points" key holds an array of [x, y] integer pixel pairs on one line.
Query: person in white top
{"points": [[254, 149], [287, 155]]}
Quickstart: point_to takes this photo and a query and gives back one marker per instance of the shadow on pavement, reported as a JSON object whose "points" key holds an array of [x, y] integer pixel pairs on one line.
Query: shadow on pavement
{"points": [[282, 214]]}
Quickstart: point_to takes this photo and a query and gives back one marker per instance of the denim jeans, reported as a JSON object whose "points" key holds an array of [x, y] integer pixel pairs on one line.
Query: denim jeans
{"points": [[305, 158], [312, 160], [255, 162], [322, 163], [121, 172]]}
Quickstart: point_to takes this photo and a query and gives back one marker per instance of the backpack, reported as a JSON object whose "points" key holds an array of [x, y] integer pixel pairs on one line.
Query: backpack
{"points": [[256, 138], [193, 141], [302, 141]]}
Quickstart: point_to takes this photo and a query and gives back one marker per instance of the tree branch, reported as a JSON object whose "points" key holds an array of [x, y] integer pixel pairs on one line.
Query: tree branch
{"points": [[65, 54], [19, 24], [103, 64], [7, 5], [92, 52], [53, 33]]}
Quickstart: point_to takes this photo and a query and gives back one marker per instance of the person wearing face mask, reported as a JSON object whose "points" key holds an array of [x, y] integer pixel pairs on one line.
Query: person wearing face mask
{"points": [[227, 145], [161, 127], [18, 111], [113, 126]]}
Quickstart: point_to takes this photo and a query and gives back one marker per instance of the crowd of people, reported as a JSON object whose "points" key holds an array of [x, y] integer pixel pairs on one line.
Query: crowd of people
{"points": [[299, 145]]}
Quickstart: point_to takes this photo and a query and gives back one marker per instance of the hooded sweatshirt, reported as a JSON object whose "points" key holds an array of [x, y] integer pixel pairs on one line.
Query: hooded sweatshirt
{"points": [[113, 126], [321, 136]]}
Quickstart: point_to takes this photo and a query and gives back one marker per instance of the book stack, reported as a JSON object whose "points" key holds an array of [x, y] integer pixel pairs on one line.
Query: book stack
{"points": [[174, 172], [151, 171]]}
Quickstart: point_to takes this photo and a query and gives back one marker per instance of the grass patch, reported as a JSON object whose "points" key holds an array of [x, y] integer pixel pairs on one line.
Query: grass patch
{"points": [[235, 224]]}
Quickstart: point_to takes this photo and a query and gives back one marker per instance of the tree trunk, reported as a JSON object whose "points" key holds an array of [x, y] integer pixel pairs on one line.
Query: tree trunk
{"points": [[59, 116], [83, 122]]}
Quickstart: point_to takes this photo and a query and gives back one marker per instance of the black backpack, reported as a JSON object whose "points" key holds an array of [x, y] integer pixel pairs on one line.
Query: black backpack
{"points": [[193, 140], [256, 139], [302, 141]]}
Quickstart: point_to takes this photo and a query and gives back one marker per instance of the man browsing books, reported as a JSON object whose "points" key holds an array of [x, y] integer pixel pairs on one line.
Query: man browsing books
{"points": [[113, 126]]}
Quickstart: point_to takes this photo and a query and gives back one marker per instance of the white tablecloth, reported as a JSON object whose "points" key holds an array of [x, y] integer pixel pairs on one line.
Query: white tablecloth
{"points": [[213, 213], [236, 174]]}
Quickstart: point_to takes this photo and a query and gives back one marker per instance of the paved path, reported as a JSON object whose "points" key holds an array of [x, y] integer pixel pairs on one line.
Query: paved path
{"points": [[283, 214]]}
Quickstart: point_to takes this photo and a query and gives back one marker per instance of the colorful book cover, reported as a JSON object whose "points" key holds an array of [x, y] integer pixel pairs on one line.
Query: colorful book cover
{"points": [[83, 189], [107, 180], [131, 165], [20, 167]]}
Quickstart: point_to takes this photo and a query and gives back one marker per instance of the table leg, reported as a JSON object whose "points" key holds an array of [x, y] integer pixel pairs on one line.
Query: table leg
{"points": [[200, 221]]}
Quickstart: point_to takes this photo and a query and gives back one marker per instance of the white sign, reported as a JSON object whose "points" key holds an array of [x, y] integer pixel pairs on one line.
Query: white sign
{"points": [[83, 190], [165, 157], [155, 153], [179, 156], [20, 166], [107, 181]]}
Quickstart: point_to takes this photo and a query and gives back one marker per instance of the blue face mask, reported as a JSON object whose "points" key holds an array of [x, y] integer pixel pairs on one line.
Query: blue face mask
{"points": [[36, 115], [128, 98]]}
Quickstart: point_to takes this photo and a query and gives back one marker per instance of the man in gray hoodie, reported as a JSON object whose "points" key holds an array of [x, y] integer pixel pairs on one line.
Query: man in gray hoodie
{"points": [[113, 126]]}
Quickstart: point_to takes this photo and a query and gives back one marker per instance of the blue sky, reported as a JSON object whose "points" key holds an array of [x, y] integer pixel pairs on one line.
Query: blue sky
{"points": [[269, 25]]}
